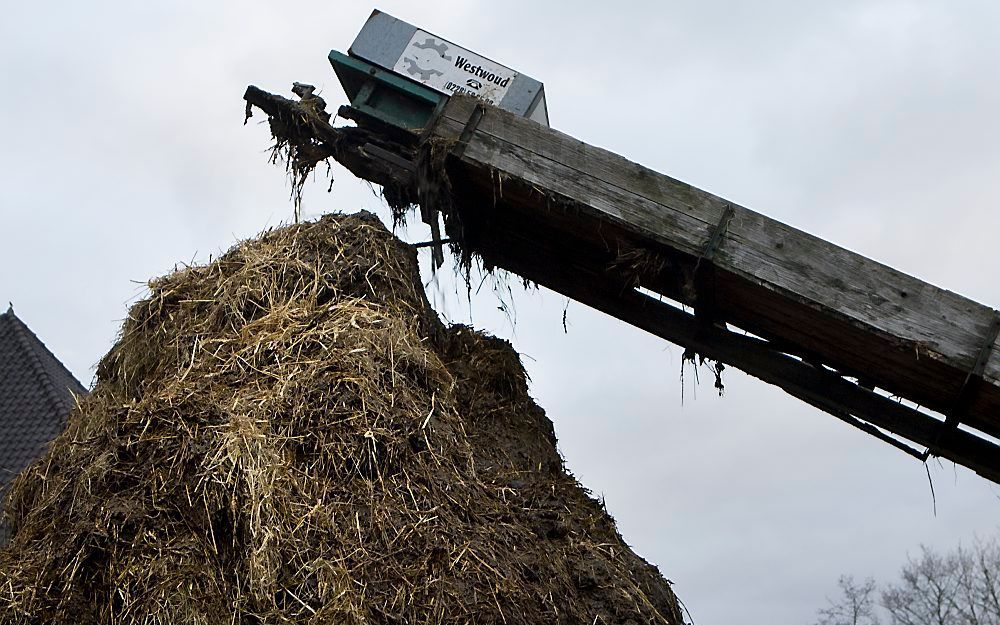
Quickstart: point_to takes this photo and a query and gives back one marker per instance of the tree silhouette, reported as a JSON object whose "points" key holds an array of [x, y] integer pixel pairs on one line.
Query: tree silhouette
{"points": [[961, 587]]}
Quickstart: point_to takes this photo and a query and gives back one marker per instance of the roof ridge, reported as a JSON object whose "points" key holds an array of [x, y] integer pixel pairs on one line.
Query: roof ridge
{"points": [[24, 337]]}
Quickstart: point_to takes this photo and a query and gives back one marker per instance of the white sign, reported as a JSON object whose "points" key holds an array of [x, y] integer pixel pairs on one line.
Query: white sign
{"points": [[445, 67]]}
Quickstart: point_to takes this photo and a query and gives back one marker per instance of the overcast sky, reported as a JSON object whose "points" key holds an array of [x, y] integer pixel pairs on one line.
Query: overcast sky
{"points": [[872, 124]]}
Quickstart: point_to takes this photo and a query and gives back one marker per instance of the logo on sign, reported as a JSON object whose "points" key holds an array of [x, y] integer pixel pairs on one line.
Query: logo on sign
{"points": [[423, 57], [449, 69]]}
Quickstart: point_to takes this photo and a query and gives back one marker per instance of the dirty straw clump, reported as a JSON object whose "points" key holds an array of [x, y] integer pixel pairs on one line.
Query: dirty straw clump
{"points": [[289, 435]]}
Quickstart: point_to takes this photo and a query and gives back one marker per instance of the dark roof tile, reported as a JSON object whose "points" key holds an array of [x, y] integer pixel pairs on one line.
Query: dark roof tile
{"points": [[36, 394]]}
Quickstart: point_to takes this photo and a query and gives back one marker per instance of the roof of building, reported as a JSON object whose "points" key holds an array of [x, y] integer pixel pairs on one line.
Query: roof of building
{"points": [[36, 394]]}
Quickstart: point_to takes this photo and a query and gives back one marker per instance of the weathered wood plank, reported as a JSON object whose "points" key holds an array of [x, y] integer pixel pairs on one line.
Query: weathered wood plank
{"points": [[929, 335], [763, 314], [814, 270], [536, 247], [607, 166], [861, 287]]}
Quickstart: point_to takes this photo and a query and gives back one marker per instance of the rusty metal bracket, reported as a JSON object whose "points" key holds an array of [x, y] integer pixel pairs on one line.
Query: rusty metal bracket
{"points": [[429, 213], [470, 128], [715, 240], [704, 269]]}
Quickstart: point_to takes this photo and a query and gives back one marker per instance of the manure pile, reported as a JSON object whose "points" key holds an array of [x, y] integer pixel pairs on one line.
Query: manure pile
{"points": [[290, 435]]}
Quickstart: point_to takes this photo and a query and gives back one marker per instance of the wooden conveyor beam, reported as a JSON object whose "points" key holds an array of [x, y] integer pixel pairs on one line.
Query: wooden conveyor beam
{"points": [[829, 326]]}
